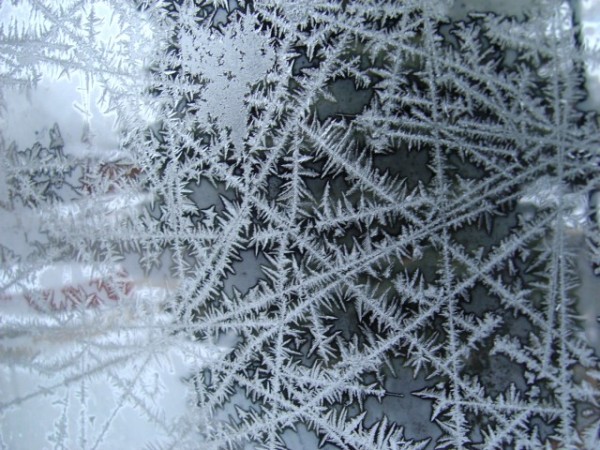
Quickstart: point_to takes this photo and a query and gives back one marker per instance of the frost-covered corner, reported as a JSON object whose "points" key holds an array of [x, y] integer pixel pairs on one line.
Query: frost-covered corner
{"points": [[364, 225]]}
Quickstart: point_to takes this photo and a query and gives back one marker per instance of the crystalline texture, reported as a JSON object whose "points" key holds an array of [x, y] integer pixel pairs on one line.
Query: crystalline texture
{"points": [[426, 244]]}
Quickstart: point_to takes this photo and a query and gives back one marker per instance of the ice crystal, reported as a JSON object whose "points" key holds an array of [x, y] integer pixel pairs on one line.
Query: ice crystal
{"points": [[416, 181]]}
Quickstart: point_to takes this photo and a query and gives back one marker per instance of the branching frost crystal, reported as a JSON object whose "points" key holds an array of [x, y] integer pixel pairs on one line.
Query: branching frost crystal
{"points": [[413, 186]]}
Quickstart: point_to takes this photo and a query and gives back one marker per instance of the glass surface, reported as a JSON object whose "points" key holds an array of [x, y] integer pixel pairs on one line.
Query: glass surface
{"points": [[280, 224]]}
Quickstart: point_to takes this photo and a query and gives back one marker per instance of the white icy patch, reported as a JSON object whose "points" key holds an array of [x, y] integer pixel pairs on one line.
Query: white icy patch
{"points": [[121, 377]]}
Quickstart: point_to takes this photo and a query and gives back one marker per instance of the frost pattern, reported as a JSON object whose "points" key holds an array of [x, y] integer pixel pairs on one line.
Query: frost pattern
{"points": [[418, 187]]}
